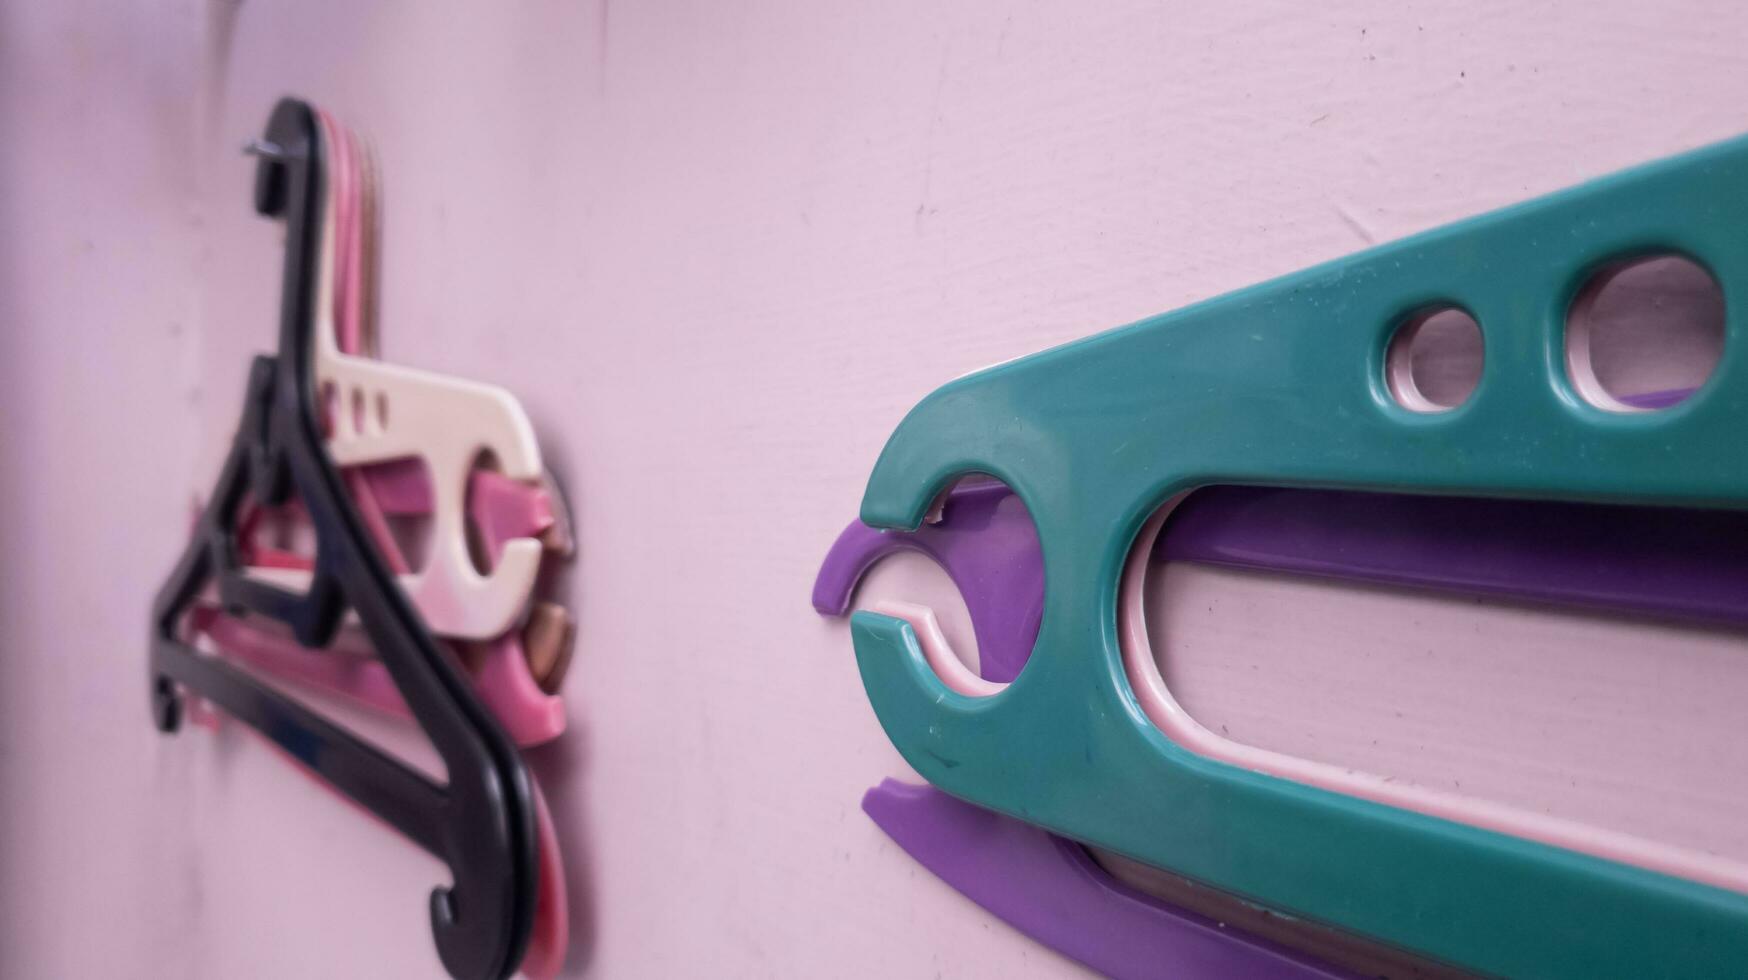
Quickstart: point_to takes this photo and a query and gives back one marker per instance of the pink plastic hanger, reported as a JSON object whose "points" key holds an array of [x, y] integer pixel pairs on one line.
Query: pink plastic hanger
{"points": [[503, 510]]}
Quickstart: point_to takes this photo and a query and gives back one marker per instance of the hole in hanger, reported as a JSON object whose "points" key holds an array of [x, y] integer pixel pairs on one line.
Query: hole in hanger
{"points": [[1435, 359], [1559, 672], [1642, 334]]}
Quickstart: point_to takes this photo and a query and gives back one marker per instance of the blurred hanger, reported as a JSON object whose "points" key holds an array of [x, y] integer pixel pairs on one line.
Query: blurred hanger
{"points": [[378, 412], [482, 822], [509, 674], [501, 509]]}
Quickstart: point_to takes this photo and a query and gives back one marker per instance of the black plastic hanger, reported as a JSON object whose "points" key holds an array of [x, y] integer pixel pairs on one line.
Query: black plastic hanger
{"points": [[481, 824]]}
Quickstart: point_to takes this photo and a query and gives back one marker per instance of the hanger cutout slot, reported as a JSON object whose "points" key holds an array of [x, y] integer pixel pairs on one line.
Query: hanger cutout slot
{"points": [[1561, 672], [1435, 359], [1643, 334]]}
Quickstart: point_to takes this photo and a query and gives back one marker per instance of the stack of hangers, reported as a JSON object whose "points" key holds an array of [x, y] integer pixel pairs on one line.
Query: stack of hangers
{"points": [[410, 449]]}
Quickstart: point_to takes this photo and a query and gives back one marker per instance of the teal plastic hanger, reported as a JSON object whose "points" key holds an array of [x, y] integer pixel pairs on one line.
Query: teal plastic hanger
{"points": [[1284, 384]]}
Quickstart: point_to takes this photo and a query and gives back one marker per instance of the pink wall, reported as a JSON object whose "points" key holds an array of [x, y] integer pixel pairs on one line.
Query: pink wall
{"points": [[718, 249]]}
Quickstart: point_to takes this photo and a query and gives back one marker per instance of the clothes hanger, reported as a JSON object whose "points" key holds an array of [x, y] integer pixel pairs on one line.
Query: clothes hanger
{"points": [[481, 823], [1672, 563], [1284, 384], [448, 424], [1678, 564], [503, 510]]}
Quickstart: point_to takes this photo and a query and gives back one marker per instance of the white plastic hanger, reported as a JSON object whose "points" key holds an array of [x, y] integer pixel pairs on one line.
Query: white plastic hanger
{"points": [[381, 412]]}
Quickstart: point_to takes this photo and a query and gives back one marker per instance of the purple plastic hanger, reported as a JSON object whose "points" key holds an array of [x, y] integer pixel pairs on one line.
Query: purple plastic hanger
{"points": [[1051, 890], [1683, 564]]}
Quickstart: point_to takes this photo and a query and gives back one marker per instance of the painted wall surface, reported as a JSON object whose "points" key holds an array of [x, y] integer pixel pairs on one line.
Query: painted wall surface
{"points": [[717, 249]]}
